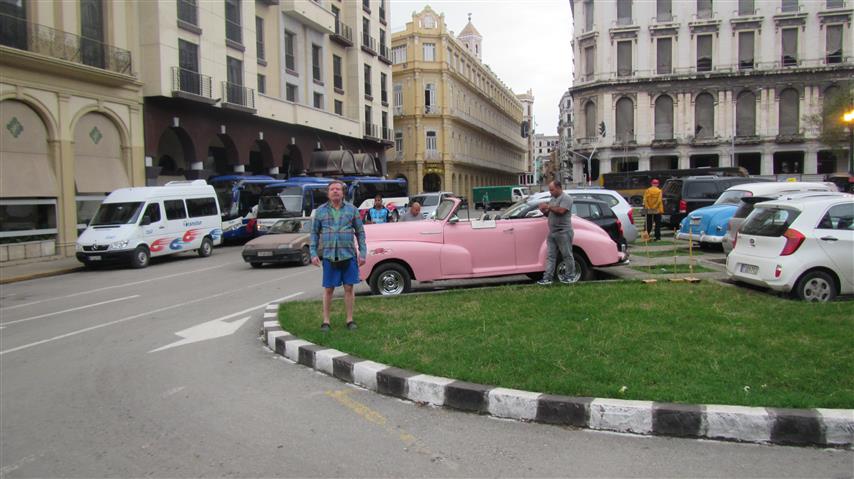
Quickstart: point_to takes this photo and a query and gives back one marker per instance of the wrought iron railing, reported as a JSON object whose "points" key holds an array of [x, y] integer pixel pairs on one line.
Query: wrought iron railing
{"points": [[19, 33], [369, 43], [189, 81], [371, 130], [384, 53], [387, 134], [343, 32], [238, 95]]}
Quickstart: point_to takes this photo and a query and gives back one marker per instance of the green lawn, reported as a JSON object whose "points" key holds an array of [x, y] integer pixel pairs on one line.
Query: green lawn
{"points": [[675, 342], [666, 253], [672, 269]]}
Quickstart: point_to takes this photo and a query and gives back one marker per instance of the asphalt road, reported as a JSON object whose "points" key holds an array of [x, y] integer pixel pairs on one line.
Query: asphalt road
{"points": [[87, 389]]}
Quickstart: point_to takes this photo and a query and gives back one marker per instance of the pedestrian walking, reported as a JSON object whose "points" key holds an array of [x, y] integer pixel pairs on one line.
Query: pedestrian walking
{"points": [[379, 213], [654, 207], [414, 213], [336, 229], [559, 211], [485, 201]]}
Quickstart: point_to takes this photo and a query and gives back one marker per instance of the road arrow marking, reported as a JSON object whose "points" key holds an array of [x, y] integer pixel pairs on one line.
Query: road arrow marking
{"points": [[216, 328]]}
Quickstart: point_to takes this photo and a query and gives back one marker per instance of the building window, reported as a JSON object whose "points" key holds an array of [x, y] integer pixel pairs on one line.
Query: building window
{"points": [[590, 120], [430, 99], [368, 88], [833, 47], [624, 59], [789, 112], [318, 100], [790, 46], [233, 28], [291, 92], [664, 10], [704, 116], [235, 93], [624, 12], [384, 123], [745, 114], [664, 56], [92, 51], [262, 84], [339, 107], [290, 48], [316, 61], [259, 38], [28, 216], [835, 3], [625, 127], [369, 126], [188, 61], [746, 7], [704, 53], [188, 11], [398, 54], [429, 52], [588, 16], [431, 141], [383, 88], [398, 141], [589, 62], [790, 6], [745, 50], [704, 9], [337, 77], [663, 118], [382, 40], [398, 99], [366, 32]]}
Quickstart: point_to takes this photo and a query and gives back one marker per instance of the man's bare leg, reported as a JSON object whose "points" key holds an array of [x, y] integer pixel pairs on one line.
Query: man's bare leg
{"points": [[349, 300], [327, 303]]}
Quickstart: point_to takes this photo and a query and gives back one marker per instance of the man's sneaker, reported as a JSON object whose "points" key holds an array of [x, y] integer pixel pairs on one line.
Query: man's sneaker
{"points": [[566, 281], [324, 328], [544, 282], [352, 326]]}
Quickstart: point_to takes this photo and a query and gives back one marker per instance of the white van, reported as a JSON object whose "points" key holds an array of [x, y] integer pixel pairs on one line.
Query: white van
{"points": [[134, 224]]}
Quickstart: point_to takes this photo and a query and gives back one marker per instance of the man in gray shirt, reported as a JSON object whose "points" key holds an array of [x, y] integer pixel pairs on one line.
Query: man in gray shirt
{"points": [[414, 213], [559, 211]]}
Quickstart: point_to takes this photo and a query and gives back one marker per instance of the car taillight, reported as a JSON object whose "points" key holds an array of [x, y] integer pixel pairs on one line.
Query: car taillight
{"points": [[631, 216], [794, 239], [683, 207], [620, 228]]}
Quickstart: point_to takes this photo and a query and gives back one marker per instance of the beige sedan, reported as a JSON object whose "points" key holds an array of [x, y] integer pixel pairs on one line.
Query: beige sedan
{"points": [[285, 242]]}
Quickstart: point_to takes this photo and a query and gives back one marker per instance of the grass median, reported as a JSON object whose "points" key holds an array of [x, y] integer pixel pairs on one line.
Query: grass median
{"points": [[672, 342]]}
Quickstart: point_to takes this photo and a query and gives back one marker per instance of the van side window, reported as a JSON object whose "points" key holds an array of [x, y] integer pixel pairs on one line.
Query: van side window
{"points": [[201, 207], [175, 209], [153, 212]]}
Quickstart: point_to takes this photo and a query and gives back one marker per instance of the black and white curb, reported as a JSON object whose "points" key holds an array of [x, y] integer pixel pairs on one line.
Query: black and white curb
{"points": [[817, 427]]}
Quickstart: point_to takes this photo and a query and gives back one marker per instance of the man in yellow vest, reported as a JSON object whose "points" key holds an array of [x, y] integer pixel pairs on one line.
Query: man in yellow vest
{"points": [[654, 206]]}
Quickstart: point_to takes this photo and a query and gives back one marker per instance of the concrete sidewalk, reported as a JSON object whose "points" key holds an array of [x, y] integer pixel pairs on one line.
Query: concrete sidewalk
{"points": [[678, 253], [15, 271]]}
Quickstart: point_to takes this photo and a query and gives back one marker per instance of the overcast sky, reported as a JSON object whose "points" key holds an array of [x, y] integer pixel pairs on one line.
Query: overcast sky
{"points": [[525, 43]]}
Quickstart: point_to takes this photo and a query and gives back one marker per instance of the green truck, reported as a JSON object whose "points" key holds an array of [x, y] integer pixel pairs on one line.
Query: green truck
{"points": [[498, 196]]}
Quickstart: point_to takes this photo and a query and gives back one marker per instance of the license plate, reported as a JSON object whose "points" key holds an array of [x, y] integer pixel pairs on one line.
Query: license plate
{"points": [[695, 221], [95, 258], [265, 253], [749, 268]]}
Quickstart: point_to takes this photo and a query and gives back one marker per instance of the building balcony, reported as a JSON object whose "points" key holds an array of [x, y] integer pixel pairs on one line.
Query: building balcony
{"points": [[20, 34], [311, 13], [432, 155], [191, 85], [384, 55], [343, 34], [398, 110], [747, 139], [369, 44], [789, 138], [663, 143], [387, 136], [238, 97], [371, 132]]}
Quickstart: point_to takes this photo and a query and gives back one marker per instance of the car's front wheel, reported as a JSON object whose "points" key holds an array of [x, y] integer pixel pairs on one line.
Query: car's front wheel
{"points": [[140, 257], [390, 279], [583, 271], [206, 248], [305, 256], [815, 286]]}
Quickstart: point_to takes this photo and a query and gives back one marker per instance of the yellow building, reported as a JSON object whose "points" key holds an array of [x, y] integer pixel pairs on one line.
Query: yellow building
{"points": [[456, 125], [71, 116]]}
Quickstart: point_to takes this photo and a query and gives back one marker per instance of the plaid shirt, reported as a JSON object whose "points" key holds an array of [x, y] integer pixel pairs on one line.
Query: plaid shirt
{"points": [[335, 238]]}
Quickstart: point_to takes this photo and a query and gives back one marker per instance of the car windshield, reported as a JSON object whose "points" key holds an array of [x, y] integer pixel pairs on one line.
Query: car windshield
{"points": [[425, 200], [117, 213], [769, 221], [277, 206], [445, 208], [518, 210], [732, 197], [291, 226]]}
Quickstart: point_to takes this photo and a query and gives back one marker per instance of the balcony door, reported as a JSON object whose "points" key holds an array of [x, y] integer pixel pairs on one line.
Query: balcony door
{"points": [[92, 32], [188, 62], [235, 81], [13, 24]]}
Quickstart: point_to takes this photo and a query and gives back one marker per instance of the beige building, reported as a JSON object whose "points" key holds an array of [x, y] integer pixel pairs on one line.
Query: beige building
{"points": [[456, 124], [71, 114], [527, 100]]}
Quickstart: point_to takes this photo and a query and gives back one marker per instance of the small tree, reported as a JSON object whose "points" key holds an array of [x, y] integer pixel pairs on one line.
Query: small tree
{"points": [[833, 132]]}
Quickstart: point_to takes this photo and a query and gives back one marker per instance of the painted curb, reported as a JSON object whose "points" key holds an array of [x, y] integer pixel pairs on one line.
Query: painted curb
{"points": [[42, 274], [798, 427]]}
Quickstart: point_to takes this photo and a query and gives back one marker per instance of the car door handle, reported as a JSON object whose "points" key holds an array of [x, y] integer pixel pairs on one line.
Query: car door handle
{"points": [[430, 232], [829, 238], [162, 227], [508, 230]]}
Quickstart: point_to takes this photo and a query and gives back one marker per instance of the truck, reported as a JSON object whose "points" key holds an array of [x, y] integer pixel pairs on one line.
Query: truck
{"points": [[499, 196]]}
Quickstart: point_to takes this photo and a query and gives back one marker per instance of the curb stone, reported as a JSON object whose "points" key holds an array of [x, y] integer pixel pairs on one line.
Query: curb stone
{"points": [[799, 427]]}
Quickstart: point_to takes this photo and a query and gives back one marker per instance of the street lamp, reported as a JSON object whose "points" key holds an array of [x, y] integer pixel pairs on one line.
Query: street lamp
{"points": [[848, 118]]}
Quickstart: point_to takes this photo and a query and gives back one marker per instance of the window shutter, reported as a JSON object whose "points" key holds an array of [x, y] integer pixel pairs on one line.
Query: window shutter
{"points": [[745, 50], [790, 46], [745, 115], [664, 118], [664, 55], [624, 59], [590, 120], [704, 113], [789, 112], [625, 120]]}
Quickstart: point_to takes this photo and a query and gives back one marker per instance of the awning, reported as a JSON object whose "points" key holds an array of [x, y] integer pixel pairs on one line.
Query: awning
{"points": [[334, 162], [26, 175], [365, 164], [95, 174]]}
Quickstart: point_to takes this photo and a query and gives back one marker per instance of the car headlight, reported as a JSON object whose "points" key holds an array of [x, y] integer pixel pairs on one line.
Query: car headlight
{"points": [[78, 247], [284, 246], [119, 244]]}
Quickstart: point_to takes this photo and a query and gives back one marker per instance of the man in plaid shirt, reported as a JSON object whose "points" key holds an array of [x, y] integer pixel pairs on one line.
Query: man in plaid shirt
{"points": [[334, 227]]}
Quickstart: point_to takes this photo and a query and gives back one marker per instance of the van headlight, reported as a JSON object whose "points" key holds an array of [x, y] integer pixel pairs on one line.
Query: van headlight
{"points": [[78, 247], [119, 244]]}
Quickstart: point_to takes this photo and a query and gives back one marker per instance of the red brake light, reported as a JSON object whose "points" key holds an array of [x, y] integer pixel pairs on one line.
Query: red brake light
{"points": [[794, 239], [631, 216], [683, 207]]}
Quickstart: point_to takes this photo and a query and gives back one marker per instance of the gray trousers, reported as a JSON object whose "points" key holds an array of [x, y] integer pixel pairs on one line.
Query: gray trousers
{"points": [[559, 241]]}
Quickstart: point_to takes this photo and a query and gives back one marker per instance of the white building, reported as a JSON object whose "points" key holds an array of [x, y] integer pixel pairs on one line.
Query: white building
{"points": [[565, 134], [708, 83]]}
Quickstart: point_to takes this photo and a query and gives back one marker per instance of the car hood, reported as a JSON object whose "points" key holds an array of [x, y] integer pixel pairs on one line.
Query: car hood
{"points": [[713, 220], [274, 240]]}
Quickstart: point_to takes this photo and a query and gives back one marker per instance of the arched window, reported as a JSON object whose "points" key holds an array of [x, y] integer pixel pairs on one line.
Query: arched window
{"points": [[789, 112], [745, 114], [590, 119], [704, 116], [663, 118], [625, 120]]}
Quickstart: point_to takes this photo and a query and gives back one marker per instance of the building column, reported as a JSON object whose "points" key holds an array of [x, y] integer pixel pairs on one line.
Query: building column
{"points": [[643, 161], [811, 160], [767, 167]]}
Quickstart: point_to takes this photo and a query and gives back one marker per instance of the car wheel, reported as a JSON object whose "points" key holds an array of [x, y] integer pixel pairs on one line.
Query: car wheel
{"points": [[815, 286], [390, 279], [140, 258], [583, 272], [255, 264], [206, 248], [305, 256]]}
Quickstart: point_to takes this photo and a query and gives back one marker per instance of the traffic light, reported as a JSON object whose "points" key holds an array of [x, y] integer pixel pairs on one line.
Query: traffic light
{"points": [[602, 128]]}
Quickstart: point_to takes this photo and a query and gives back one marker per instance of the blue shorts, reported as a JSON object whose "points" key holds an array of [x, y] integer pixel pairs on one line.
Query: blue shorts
{"points": [[334, 277]]}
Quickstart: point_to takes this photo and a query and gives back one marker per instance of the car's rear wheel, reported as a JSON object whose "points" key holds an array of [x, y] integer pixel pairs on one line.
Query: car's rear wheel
{"points": [[815, 286], [390, 279], [305, 256]]}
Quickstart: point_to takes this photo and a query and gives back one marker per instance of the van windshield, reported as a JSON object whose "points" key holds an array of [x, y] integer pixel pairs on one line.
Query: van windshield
{"points": [[279, 206], [425, 200], [117, 214]]}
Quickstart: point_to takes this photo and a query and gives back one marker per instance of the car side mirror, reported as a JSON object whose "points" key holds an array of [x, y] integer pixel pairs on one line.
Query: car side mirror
{"points": [[453, 220], [534, 214], [146, 220]]}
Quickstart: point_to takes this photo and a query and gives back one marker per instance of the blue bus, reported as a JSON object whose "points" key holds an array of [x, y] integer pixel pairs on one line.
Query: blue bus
{"points": [[289, 199], [361, 188], [238, 196]]}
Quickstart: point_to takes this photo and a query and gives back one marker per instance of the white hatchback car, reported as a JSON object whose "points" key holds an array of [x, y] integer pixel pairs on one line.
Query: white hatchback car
{"points": [[804, 246], [618, 205]]}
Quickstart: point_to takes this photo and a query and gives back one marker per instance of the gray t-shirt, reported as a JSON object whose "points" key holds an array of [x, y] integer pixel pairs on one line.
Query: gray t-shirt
{"points": [[408, 216], [561, 222]]}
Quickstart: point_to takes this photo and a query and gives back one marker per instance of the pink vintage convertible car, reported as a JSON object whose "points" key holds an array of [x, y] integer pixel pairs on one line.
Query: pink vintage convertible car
{"points": [[450, 248]]}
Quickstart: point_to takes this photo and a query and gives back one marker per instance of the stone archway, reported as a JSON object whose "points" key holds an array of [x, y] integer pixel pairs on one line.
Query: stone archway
{"points": [[222, 155], [260, 158], [175, 155], [99, 168]]}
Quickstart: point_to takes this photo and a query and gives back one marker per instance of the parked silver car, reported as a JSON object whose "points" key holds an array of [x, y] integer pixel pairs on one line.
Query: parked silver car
{"points": [[618, 205], [429, 201]]}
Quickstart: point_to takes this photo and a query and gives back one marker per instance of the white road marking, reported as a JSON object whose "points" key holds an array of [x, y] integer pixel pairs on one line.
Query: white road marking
{"points": [[47, 315], [172, 392], [125, 285], [216, 328], [136, 316]]}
